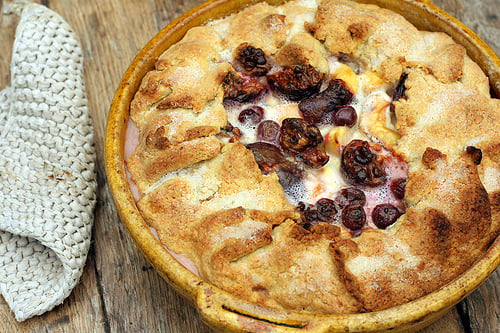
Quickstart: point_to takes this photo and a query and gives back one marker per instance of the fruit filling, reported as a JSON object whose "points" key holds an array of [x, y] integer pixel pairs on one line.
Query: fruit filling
{"points": [[304, 125]]}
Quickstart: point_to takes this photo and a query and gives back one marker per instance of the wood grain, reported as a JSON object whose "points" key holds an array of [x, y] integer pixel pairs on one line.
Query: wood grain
{"points": [[119, 291]]}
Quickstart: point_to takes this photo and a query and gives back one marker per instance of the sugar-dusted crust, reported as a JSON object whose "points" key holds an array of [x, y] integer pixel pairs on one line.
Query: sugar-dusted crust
{"points": [[385, 41], [231, 179], [207, 199], [285, 266]]}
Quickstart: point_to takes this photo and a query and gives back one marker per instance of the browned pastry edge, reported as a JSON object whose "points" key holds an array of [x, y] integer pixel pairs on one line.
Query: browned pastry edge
{"points": [[265, 257]]}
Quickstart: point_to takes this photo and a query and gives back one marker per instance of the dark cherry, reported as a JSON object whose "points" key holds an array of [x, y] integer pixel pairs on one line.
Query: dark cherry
{"points": [[296, 82], [326, 210], [338, 93], [345, 116], [290, 176], [268, 130], [350, 61], [475, 153], [350, 195], [310, 217], [239, 89], [267, 156], [384, 215], [315, 107], [297, 134], [398, 187], [319, 105], [251, 116], [353, 216], [400, 90], [252, 59], [270, 159], [313, 157], [360, 165]]}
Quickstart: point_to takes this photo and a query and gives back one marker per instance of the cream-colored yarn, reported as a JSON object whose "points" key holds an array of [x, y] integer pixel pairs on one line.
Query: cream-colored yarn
{"points": [[47, 161]]}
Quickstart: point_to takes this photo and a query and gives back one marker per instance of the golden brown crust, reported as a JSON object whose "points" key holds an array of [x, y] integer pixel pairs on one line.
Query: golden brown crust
{"points": [[261, 24], [285, 267], [447, 117], [385, 41], [230, 179], [181, 81], [207, 199], [303, 49]]}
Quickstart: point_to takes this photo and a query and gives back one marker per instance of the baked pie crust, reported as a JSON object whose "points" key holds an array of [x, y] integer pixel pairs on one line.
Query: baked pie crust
{"points": [[204, 192]]}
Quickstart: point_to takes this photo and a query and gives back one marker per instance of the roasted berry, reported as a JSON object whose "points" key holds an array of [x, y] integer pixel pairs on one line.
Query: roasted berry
{"points": [[361, 166], [326, 210], [296, 82], [251, 116], [353, 216], [398, 187], [239, 89], [400, 90], [268, 131], [345, 116], [353, 63], [290, 176], [314, 108], [266, 155], [310, 217], [475, 153], [313, 157], [384, 215], [350, 195], [297, 134], [253, 60], [317, 106], [338, 93]]}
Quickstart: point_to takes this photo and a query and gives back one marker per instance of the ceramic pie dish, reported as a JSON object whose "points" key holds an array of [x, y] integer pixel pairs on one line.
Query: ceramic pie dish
{"points": [[224, 311]]}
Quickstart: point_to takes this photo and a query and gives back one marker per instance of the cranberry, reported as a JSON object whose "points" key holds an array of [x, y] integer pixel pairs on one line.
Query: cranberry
{"points": [[353, 216], [384, 215], [296, 82], [251, 116], [350, 195], [398, 187], [326, 210], [297, 134], [361, 166], [268, 130], [238, 89], [313, 157], [345, 116], [252, 59], [315, 107]]}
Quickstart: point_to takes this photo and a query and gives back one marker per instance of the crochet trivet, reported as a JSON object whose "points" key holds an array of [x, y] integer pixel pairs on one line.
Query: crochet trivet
{"points": [[47, 161]]}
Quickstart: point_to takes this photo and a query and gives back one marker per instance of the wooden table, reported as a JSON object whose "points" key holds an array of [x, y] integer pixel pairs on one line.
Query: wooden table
{"points": [[119, 291]]}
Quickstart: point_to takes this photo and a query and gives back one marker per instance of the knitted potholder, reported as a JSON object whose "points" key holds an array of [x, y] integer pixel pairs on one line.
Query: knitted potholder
{"points": [[47, 162]]}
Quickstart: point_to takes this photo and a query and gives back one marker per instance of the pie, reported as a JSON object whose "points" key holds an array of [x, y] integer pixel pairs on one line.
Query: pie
{"points": [[319, 157]]}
